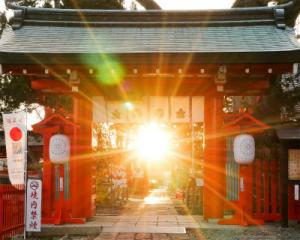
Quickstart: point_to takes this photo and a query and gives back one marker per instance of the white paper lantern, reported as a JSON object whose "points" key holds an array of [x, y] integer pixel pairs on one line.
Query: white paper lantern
{"points": [[59, 149], [244, 149]]}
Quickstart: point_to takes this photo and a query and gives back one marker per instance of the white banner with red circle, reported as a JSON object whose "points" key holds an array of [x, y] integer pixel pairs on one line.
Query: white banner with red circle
{"points": [[15, 129]]}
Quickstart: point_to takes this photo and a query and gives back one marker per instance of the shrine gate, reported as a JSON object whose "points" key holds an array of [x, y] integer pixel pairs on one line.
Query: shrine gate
{"points": [[125, 55]]}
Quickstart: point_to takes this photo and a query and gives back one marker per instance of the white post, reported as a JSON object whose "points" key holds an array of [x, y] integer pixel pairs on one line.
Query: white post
{"points": [[25, 179], [193, 150], [295, 68]]}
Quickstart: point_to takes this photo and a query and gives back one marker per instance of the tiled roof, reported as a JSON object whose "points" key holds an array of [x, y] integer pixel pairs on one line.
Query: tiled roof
{"points": [[75, 39], [236, 31]]}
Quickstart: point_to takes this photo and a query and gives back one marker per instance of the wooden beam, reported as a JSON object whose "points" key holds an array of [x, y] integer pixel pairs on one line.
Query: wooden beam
{"points": [[164, 67], [49, 84], [239, 88]]}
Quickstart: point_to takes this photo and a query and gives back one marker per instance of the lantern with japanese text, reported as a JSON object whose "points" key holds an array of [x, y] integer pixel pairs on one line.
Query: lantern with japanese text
{"points": [[244, 149], [59, 149]]}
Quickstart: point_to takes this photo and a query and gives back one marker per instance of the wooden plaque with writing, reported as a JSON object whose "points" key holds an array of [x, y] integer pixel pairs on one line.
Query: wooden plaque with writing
{"points": [[294, 164]]}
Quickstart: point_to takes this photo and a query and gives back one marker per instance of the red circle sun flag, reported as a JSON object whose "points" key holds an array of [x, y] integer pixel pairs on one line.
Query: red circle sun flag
{"points": [[15, 134]]}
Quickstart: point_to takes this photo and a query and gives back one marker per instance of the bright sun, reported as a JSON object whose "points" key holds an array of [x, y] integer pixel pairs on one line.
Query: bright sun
{"points": [[152, 142]]}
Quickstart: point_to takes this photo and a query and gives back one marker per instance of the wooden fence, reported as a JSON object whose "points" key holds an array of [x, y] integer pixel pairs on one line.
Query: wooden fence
{"points": [[11, 211], [266, 189], [266, 181]]}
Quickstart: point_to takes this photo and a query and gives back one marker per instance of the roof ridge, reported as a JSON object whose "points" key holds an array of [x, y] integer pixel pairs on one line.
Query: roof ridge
{"points": [[66, 17], [287, 5]]}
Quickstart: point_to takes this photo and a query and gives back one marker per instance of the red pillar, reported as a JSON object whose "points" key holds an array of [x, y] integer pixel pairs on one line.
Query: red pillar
{"points": [[47, 173], [47, 180], [214, 159], [81, 163]]}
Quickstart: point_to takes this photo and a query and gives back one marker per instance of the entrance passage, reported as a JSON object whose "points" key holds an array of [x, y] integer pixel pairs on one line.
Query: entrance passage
{"points": [[155, 211], [150, 161]]}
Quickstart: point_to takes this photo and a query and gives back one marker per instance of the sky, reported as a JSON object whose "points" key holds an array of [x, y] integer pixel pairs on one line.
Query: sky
{"points": [[191, 4], [181, 4], [194, 4]]}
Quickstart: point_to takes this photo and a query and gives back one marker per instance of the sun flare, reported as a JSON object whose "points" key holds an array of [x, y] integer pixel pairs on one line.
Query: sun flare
{"points": [[152, 142]]}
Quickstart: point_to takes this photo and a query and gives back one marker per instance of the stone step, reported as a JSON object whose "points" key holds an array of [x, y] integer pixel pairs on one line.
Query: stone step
{"points": [[144, 229]]}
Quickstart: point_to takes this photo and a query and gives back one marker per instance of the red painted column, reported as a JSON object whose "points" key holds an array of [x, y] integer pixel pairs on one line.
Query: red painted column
{"points": [[214, 159], [47, 179], [81, 161], [246, 194]]}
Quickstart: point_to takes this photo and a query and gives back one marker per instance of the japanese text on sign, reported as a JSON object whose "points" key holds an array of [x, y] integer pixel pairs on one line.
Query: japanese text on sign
{"points": [[33, 213]]}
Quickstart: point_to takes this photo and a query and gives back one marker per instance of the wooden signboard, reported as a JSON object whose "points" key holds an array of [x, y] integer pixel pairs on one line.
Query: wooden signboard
{"points": [[294, 164]]}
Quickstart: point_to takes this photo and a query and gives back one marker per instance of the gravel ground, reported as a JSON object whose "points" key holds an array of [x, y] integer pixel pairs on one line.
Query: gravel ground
{"points": [[246, 234], [250, 233]]}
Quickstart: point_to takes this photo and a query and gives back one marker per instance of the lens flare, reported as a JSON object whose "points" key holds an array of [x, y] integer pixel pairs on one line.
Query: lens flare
{"points": [[109, 70], [152, 142]]}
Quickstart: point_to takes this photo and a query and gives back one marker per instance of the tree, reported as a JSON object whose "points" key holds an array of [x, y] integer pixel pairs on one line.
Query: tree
{"points": [[283, 98], [87, 4], [25, 97], [107, 4], [16, 91], [149, 4], [83, 4], [291, 15]]}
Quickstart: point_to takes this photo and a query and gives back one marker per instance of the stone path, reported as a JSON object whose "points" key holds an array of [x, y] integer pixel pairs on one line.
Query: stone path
{"points": [[148, 221], [141, 236], [156, 210], [155, 218], [252, 233]]}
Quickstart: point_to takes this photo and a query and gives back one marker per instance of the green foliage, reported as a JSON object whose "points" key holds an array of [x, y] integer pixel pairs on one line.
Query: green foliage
{"points": [[284, 94], [59, 102], [279, 104], [273, 98], [149, 4], [34, 3], [89, 4], [15, 91], [82, 4], [290, 85]]}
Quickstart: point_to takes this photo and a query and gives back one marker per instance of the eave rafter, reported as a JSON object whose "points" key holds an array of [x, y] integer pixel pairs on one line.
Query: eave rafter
{"points": [[148, 70], [194, 79]]}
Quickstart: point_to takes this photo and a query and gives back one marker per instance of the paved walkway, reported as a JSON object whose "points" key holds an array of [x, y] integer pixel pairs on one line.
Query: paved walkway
{"points": [[141, 236], [155, 218], [156, 210]]}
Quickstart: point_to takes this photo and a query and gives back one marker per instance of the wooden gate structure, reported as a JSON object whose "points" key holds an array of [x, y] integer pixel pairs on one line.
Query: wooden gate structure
{"points": [[125, 55]]}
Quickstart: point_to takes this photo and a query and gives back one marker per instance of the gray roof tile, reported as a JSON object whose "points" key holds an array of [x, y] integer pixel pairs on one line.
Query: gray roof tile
{"points": [[256, 34], [76, 39]]}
